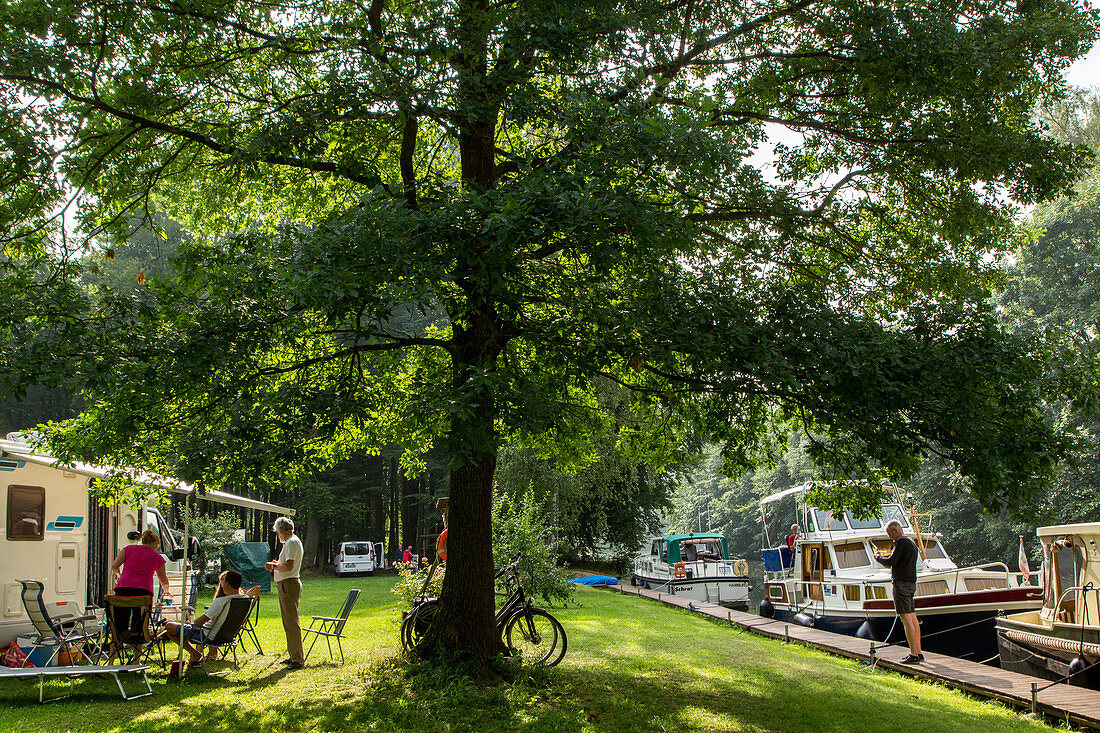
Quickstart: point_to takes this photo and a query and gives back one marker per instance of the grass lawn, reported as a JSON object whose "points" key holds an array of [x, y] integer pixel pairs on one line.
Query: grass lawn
{"points": [[632, 666]]}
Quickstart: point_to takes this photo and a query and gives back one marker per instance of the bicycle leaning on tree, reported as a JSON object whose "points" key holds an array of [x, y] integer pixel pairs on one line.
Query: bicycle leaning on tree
{"points": [[528, 632]]}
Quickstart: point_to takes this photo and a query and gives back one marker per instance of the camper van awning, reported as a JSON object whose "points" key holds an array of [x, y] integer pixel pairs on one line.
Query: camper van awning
{"points": [[22, 451], [224, 497]]}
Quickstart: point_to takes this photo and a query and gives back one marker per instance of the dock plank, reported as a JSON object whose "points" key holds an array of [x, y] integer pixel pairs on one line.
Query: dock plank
{"points": [[1080, 705]]}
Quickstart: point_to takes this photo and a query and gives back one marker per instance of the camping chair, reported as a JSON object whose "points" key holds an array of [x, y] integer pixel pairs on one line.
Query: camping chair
{"points": [[166, 609], [332, 627], [52, 632], [248, 629], [118, 639], [226, 638]]}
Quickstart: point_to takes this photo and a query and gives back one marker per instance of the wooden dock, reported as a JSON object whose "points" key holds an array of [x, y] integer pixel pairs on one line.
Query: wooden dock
{"points": [[1079, 705]]}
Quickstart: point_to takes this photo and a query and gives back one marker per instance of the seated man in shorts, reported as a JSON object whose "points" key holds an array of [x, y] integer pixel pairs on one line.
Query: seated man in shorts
{"points": [[209, 623]]}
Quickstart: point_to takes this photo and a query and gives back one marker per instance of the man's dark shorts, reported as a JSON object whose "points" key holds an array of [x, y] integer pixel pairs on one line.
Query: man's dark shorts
{"points": [[903, 596]]}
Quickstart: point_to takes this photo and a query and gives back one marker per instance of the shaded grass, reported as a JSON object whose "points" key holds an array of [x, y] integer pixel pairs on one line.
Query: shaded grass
{"points": [[632, 666]]}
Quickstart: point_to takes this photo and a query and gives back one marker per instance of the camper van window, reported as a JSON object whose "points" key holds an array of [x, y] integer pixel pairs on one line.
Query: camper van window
{"points": [[26, 512], [154, 522]]}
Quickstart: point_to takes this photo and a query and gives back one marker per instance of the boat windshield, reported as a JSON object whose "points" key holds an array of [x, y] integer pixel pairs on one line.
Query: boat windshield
{"points": [[893, 511], [868, 523], [826, 521], [701, 549]]}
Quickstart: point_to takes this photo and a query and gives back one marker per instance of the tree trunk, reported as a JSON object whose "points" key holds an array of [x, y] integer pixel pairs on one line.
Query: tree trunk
{"points": [[395, 547], [465, 625], [411, 501], [312, 536]]}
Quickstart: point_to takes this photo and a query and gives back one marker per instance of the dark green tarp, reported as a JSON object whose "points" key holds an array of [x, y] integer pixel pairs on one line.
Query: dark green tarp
{"points": [[248, 559]]}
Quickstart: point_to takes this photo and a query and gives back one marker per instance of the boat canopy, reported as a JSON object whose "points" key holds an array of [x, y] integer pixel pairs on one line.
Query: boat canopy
{"points": [[673, 543], [785, 493], [1089, 528], [22, 451]]}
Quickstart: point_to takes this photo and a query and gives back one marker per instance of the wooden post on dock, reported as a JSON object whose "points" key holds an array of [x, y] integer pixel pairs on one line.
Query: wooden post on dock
{"points": [[1034, 697]]}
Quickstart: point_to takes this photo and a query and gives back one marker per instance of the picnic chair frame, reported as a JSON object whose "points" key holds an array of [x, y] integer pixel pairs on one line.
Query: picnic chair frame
{"points": [[226, 638], [51, 630], [118, 641], [41, 673], [248, 629], [165, 610], [332, 627]]}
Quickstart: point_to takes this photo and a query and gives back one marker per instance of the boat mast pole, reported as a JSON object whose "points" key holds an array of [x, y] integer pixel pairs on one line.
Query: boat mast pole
{"points": [[916, 528]]}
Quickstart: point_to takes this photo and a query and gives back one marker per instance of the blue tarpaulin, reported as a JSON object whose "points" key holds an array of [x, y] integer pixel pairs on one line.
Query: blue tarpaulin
{"points": [[595, 580]]}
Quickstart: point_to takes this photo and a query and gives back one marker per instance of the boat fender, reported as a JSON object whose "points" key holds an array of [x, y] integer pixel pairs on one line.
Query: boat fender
{"points": [[767, 610], [803, 619], [680, 570], [866, 632], [740, 568], [1081, 673]]}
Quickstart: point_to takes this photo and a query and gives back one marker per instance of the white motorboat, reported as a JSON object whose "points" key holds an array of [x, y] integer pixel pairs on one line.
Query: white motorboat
{"points": [[695, 565], [830, 580], [1064, 635]]}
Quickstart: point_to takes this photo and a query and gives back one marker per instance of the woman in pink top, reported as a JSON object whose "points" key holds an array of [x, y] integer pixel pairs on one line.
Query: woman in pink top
{"points": [[136, 565]]}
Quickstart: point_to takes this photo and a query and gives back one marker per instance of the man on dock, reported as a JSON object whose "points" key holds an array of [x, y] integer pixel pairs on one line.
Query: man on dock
{"points": [[902, 562]]}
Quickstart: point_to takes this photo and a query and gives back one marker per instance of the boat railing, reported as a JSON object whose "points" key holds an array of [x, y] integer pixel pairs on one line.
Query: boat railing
{"points": [[1069, 615], [699, 567]]}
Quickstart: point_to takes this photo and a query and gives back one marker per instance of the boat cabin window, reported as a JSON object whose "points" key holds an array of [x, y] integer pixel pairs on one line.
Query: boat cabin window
{"points": [[934, 550], [827, 521], [26, 512], [701, 549], [868, 523], [883, 546], [893, 511], [932, 588], [1068, 559], [656, 550], [851, 555]]}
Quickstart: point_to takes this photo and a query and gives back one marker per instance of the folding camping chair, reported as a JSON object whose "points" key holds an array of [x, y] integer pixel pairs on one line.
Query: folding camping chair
{"points": [[52, 632], [135, 638], [181, 607], [248, 629], [226, 638], [332, 627]]}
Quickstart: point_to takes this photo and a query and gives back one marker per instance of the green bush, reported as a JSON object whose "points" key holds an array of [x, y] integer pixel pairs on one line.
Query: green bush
{"points": [[409, 582], [519, 526]]}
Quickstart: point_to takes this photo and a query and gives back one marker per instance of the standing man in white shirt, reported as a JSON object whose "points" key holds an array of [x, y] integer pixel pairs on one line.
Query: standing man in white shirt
{"points": [[287, 571]]}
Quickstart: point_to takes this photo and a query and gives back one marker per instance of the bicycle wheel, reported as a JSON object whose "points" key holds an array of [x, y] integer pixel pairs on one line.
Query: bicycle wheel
{"points": [[416, 623], [536, 636]]}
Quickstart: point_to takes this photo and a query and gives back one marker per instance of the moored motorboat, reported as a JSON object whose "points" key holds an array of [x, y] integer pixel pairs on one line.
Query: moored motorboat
{"points": [[828, 579], [695, 565], [1062, 636]]}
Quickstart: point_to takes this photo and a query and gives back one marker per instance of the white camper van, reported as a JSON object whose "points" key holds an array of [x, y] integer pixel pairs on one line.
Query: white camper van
{"points": [[53, 530], [357, 557]]}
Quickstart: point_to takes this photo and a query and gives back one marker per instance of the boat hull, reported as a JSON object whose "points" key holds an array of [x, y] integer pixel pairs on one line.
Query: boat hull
{"points": [[730, 592], [960, 625], [1046, 654]]}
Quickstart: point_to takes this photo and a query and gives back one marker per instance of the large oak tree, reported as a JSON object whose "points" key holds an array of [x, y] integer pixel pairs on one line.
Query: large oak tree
{"points": [[439, 219]]}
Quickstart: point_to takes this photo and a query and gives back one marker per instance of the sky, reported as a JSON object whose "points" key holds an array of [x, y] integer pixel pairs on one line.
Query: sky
{"points": [[1086, 71]]}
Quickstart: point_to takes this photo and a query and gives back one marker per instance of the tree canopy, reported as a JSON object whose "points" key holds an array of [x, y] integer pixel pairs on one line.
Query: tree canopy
{"points": [[442, 219]]}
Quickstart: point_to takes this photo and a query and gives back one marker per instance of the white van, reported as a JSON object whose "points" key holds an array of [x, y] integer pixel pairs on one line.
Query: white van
{"points": [[357, 557]]}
